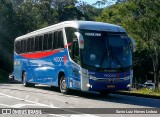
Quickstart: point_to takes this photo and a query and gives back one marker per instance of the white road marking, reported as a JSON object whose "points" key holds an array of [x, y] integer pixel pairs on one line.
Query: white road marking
{"points": [[57, 115], [83, 115], [40, 104], [26, 96], [5, 105], [21, 105], [51, 105]]}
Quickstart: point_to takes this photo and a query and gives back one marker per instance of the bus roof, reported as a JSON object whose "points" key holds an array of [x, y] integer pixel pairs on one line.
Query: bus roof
{"points": [[88, 25]]}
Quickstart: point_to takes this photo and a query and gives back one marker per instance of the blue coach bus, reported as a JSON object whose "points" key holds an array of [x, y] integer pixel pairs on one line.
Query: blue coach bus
{"points": [[80, 55]]}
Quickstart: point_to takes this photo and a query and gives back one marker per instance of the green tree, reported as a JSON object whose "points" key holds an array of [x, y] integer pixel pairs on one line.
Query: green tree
{"points": [[7, 35], [142, 22], [90, 12]]}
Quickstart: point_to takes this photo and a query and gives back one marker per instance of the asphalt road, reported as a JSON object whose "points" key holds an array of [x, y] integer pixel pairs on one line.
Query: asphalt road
{"points": [[15, 95]]}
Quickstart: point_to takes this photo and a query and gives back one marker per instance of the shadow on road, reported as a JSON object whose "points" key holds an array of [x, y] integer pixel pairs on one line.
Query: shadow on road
{"points": [[122, 99], [139, 101]]}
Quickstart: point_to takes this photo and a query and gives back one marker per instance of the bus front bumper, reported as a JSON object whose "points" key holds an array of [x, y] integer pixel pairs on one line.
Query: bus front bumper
{"points": [[109, 84]]}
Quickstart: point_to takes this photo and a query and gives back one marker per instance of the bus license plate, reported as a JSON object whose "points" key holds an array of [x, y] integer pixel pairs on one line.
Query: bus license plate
{"points": [[111, 86]]}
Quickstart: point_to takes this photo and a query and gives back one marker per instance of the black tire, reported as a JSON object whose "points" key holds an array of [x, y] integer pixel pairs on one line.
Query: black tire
{"points": [[63, 86], [104, 93], [25, 83]]}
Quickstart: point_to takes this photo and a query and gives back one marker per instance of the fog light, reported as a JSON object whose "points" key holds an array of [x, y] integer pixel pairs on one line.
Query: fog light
{"points": [[129, 85]]}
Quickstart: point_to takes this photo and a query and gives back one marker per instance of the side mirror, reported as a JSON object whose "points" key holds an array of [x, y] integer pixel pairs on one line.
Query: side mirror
{"points": [[80, 40], [132, 44]]}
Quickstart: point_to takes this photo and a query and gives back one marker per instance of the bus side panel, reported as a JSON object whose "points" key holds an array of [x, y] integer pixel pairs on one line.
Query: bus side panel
{"points": [[40, 70], [19, 65], [59, 64], [73, 80], [45, 70]]}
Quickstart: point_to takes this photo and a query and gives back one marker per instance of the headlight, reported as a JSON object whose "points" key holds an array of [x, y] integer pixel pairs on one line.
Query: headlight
{"points": [[93, 78], [129, 85]]}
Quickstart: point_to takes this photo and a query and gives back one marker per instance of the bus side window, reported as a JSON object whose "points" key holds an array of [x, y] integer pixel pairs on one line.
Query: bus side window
{"points": [[21, 50], [60, 40], [30, 45], [50, 41], [55, 44], [23, 46], [17, 47], [36, 43], [40, 43], [70, 37], [45, 42]]}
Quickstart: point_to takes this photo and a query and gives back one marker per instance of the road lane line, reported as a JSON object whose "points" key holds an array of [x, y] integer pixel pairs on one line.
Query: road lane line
{"points": [[40, 104], [57, 115], [21, 105], [33, 90], [26, 96], [6, 105]]}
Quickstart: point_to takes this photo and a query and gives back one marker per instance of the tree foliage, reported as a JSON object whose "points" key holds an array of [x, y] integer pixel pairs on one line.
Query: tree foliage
{"points": [[18, 17], [141, 19]]}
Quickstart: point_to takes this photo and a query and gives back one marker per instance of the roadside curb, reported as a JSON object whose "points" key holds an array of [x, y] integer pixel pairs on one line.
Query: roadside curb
{"points": [[137, 95]]}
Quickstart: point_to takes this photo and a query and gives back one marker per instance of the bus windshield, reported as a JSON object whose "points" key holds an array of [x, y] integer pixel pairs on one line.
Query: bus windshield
{"points": [[106, 50]]}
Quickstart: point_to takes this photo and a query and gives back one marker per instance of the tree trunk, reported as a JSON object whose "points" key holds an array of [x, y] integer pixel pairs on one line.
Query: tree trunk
{"points": [[155, 61]]}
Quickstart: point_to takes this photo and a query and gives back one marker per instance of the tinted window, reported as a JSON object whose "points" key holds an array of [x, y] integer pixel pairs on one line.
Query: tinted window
{"points": [[60, 40], [17, 47], [37, 43], [45, 42], [21, 49], [30, 45], [40, 43], [50, 41], [23, 46], [55, 41], [70, 34]]}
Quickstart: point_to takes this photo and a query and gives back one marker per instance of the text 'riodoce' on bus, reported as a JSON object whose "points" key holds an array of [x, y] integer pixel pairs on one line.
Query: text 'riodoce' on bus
{"points": [[80, 55]]}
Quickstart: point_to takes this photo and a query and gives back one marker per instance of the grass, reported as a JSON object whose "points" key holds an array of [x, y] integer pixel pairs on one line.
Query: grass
{"points": [[3, 76], [146, 91]]}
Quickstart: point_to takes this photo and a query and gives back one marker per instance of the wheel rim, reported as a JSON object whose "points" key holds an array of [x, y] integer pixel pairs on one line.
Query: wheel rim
{"points": [[63, 86]]}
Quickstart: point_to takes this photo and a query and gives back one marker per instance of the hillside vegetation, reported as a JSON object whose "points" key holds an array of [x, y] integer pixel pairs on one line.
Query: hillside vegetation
{"points": [[3, 76], [141, 19]]}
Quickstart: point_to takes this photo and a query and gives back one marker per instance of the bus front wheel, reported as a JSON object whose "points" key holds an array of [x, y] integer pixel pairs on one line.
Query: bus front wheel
{"points": [[63, 86]]}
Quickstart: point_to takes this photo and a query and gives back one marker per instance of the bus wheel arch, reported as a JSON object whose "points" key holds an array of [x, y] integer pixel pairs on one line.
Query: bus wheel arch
{"points": [[24, 80], [62, 83], [22, 77]]}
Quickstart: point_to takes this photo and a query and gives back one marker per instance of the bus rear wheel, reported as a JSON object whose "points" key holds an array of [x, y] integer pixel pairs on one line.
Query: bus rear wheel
{"points": [[63, 86], [25, 83]]}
